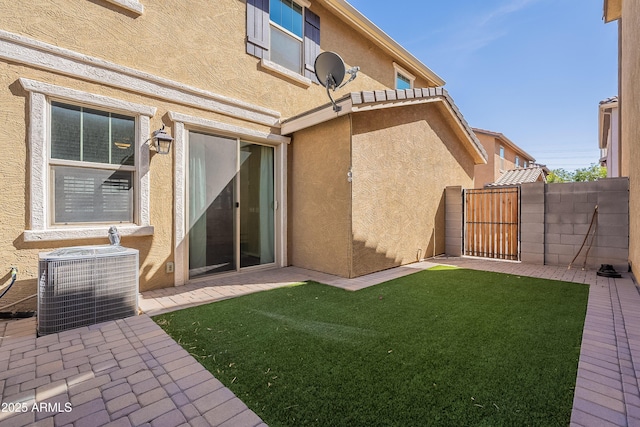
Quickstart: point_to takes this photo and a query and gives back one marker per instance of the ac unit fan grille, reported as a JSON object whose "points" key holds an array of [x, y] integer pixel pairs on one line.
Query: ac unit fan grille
{"points": [[82, 291]]}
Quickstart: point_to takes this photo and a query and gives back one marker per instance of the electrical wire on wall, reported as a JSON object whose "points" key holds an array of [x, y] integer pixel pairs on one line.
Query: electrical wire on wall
{"points": [[594, 226]]}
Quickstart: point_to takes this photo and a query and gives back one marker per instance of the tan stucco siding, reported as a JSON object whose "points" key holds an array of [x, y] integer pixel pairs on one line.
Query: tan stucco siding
{"points": [[376, 67], [630, 111], [403, 158], [320, 198], [155, 250], [209, 53], [491, 172], [200, 50], [486, 174]]}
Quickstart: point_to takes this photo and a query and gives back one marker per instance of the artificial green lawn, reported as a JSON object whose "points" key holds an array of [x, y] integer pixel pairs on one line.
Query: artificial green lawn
{"points": [[440, 347]]}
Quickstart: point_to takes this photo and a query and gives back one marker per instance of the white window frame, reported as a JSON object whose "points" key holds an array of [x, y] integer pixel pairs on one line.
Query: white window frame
{"points": [[517, 161], [398, 70], [304, 6], [502, 157], [131, 5], [40, 217]]}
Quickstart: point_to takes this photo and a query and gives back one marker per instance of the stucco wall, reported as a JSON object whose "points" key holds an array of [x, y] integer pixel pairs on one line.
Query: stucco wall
{"points": [[490, 172], [630, 112], [320, 198], [155, 250], [208, 54], [486, 174], [403, 158]]}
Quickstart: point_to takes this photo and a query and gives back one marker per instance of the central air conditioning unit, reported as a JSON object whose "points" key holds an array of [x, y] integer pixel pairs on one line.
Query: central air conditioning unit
{"points": [[85, 285]]}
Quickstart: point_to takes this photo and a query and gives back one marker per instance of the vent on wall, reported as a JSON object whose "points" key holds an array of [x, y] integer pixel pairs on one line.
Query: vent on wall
{"points": [[85, 285]]}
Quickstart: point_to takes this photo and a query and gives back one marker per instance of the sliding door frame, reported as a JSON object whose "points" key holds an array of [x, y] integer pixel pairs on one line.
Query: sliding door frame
{"points": [[182, 126]]}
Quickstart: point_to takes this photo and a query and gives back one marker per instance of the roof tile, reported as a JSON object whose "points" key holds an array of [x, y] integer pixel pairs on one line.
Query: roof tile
{"points": [[519, 176]]}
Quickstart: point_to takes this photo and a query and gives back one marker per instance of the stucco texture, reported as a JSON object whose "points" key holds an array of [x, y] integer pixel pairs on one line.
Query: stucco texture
{"points": [[320, 198], [14, 219], [491, 171], [630, 111], [208, 54], [392, 213], [403, 159]]}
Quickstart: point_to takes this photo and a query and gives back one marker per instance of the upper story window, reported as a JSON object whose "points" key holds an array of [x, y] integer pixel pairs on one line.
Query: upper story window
{"points": [[403, 79], [501, 157], [517, 161], [402, 82], [285, 33], [92, 165], [525, 164]]}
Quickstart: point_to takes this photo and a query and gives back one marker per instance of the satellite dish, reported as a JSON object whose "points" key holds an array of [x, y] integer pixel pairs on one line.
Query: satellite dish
{"points": [[330, 71]]}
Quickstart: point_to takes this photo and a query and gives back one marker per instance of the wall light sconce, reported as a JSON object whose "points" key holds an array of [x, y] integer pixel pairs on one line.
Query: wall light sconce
{"points": [[162, 141]]}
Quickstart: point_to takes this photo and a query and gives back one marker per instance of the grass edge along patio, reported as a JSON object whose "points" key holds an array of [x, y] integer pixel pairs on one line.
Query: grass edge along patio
{"points": [[437, 347]]}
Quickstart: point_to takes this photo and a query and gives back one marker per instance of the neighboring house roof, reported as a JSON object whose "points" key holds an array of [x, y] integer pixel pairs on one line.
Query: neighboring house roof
{"points": [[362, 24], [520, 176], [382, 99], [507, 142]]}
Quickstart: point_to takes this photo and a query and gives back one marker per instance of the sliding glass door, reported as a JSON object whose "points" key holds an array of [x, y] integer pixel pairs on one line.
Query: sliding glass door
{"points": [[256, 205], [231, 204]]}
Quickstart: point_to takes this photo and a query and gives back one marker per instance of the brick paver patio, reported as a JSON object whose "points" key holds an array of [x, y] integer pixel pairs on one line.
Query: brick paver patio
{"points": [[129, 372]]}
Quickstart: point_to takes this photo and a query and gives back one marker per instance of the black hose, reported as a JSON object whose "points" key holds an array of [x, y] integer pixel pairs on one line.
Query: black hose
{"points": [[593, 218], [14, 275]]}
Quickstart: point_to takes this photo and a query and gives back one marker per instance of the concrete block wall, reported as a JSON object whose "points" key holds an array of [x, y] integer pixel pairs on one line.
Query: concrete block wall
{"points": [[555, 219], [453, 220], [569, 210], [532, 223]]}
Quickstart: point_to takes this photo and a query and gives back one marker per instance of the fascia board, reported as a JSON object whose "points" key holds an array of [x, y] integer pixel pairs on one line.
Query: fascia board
{"points": [[347, 105], [478, 157], [321, 115], [506, 141], [612, 10]]}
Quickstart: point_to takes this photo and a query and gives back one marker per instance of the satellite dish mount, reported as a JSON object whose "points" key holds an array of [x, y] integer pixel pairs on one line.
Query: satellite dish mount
{"points": [[330, 71]]}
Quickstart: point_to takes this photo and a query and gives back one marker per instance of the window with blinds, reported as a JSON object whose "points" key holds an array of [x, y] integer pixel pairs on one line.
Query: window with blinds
{"points": [[92, 165]]}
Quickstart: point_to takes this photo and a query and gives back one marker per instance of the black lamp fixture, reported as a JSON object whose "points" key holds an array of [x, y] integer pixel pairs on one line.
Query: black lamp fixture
{"points": [[162, 141]]}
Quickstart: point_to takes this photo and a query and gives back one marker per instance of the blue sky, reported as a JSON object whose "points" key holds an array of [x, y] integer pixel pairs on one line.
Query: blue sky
{"points": [[534, 70]]}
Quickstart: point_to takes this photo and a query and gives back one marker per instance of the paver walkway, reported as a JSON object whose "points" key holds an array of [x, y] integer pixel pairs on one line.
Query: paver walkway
{"points": [[130, 373]]}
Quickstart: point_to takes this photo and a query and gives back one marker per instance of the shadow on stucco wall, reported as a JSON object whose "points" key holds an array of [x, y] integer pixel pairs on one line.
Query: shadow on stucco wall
{"points": [[369, 259], [21, 290]]}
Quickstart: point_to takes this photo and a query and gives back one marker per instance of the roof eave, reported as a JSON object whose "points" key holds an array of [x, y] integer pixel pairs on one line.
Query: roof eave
{"points": [[507, 142], [612, 10], [376, 100]]}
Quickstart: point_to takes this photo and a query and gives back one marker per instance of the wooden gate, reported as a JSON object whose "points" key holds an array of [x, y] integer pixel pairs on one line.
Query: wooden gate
{"points": [[492, 223]]}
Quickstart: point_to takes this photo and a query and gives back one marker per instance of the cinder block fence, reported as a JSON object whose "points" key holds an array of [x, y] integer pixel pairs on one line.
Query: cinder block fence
{"points": [[558, 222]]}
